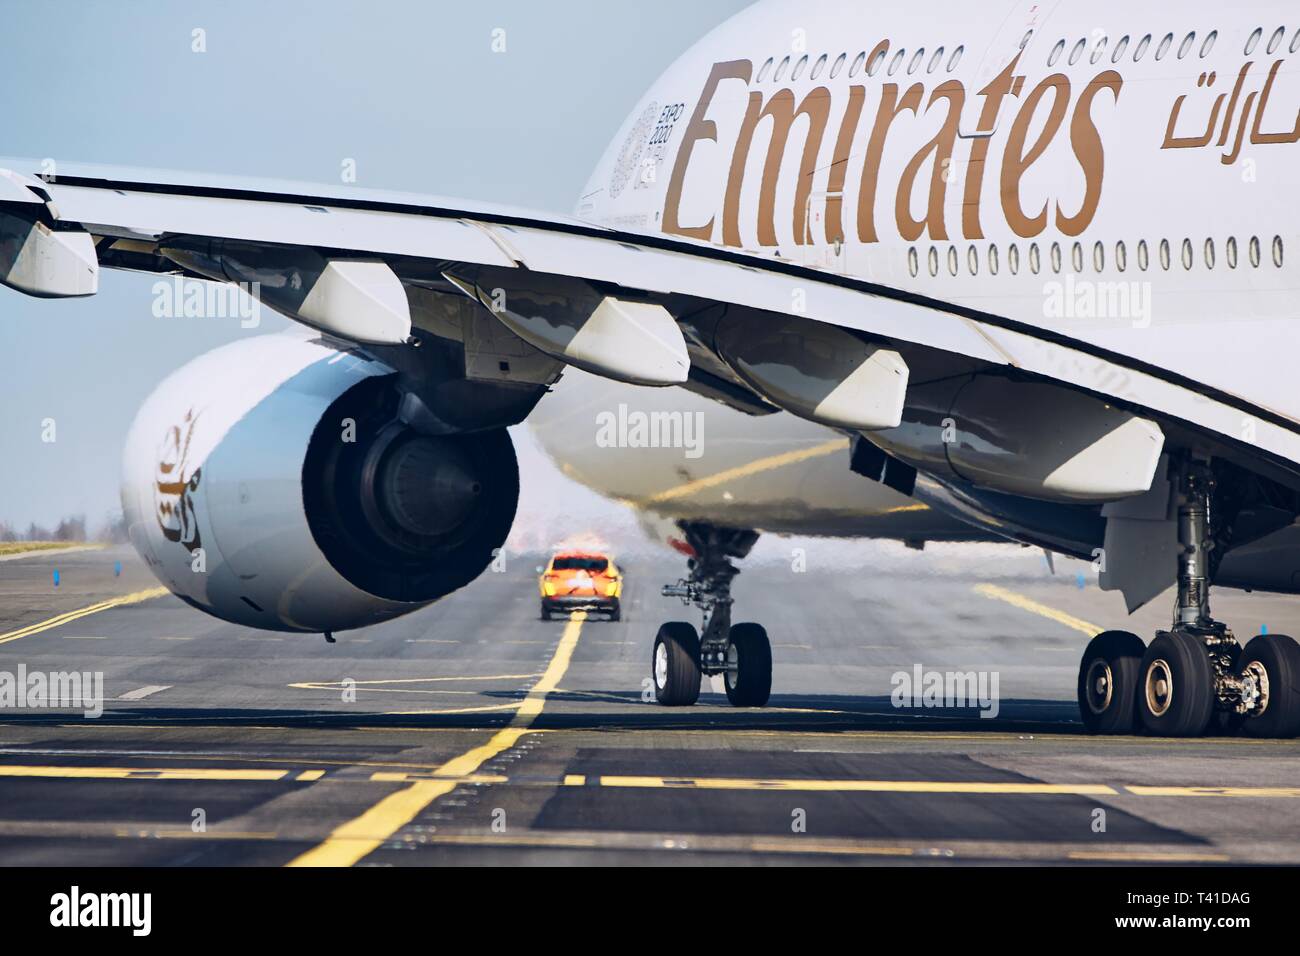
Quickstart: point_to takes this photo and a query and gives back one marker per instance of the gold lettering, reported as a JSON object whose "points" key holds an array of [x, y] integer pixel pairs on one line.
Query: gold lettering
{"points": [[1088, 150], [890, 107], [1015, 161], [939, 150], [699, 129]]}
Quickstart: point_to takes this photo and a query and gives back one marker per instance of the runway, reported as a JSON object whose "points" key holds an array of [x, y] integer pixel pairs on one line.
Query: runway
{"points": [[474, 733]]}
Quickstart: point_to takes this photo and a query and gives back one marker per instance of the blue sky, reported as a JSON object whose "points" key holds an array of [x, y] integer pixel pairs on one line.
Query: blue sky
{"points": [[412, 92]]}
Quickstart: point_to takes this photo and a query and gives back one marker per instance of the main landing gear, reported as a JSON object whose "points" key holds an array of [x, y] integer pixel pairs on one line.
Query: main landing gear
{"points": [[741, 653], [1194, 678]]}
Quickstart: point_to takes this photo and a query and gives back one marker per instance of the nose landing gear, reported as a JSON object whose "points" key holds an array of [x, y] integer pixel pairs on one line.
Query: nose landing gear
{"points": [[1193, 677], [741, 653]]}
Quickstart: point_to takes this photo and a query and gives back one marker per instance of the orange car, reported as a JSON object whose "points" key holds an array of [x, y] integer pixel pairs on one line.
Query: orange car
{"points": [[581, 581]]}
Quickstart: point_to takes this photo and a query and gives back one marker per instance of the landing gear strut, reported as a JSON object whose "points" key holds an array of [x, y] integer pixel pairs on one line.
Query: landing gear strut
{"points": [[1194, 677], [741, 652]]}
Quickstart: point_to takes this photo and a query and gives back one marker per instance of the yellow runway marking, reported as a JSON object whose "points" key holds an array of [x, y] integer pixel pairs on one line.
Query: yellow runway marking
{"points": [[1033, 607], [354, 840], [135, 597], [845, 786], [1139, 856], [396, 776], [335, 684], [151, 773], [1272, 792], [652, 841], [753, 468]]}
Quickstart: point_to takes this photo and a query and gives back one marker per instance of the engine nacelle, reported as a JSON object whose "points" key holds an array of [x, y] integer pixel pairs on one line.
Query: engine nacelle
{"points": [[272, 483]]}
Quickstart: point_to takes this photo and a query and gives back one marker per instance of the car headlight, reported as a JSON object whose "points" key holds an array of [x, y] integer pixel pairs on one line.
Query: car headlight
{"points": [[549, 589], [611, 589]]}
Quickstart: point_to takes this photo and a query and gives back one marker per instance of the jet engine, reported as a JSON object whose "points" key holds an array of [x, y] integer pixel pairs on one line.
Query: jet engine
{"points": [[273, 483]]}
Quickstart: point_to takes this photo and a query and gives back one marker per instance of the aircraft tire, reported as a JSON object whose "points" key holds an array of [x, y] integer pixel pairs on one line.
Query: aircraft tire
{"points": [[1108, 683], [750, 651], [1176, 686], [675, 664], [1276, 658]]}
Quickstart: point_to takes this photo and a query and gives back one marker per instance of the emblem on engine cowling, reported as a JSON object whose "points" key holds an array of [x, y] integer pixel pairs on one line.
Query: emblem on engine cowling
{"points": [[175, 484]]}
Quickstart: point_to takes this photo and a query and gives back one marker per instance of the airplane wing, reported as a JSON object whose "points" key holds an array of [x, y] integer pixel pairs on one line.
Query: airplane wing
{"points": [[83, 223]]}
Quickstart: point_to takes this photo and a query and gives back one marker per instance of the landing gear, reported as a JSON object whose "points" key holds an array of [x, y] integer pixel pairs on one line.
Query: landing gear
{"points": [[741, 652], [1193, 678]]}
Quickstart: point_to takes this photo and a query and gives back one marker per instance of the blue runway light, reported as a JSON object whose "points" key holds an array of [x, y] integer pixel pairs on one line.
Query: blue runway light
{"points": [[117, 569], [1080, 581], [56, 577]]}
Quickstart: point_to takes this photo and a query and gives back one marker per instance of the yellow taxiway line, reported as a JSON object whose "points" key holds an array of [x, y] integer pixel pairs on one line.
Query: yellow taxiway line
{"points": [[135, 597], [357, 838], [157, 773], [1272, 792], [1147, 856], [1034, 607], [841, 786]]}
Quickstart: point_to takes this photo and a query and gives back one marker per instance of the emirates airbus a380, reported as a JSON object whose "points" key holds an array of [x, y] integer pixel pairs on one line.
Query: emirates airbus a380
{"points": [[1014, 270]]}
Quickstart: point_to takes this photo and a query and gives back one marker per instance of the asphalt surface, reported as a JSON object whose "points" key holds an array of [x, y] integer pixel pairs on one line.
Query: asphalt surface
{"points": [[474, 733]]}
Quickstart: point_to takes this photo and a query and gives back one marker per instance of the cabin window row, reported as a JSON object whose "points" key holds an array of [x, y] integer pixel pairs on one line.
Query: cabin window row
{"points": [[1159, 255]]}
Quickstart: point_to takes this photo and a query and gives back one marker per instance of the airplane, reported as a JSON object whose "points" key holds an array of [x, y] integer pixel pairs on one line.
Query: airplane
{"points": [[1021, 270]]}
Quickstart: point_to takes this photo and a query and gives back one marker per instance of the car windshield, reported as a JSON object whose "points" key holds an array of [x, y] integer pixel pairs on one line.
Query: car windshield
{"points": [[596, 565]]}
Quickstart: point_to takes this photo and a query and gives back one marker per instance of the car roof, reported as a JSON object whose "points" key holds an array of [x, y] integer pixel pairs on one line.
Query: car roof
{"points": [[581, 554]]}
